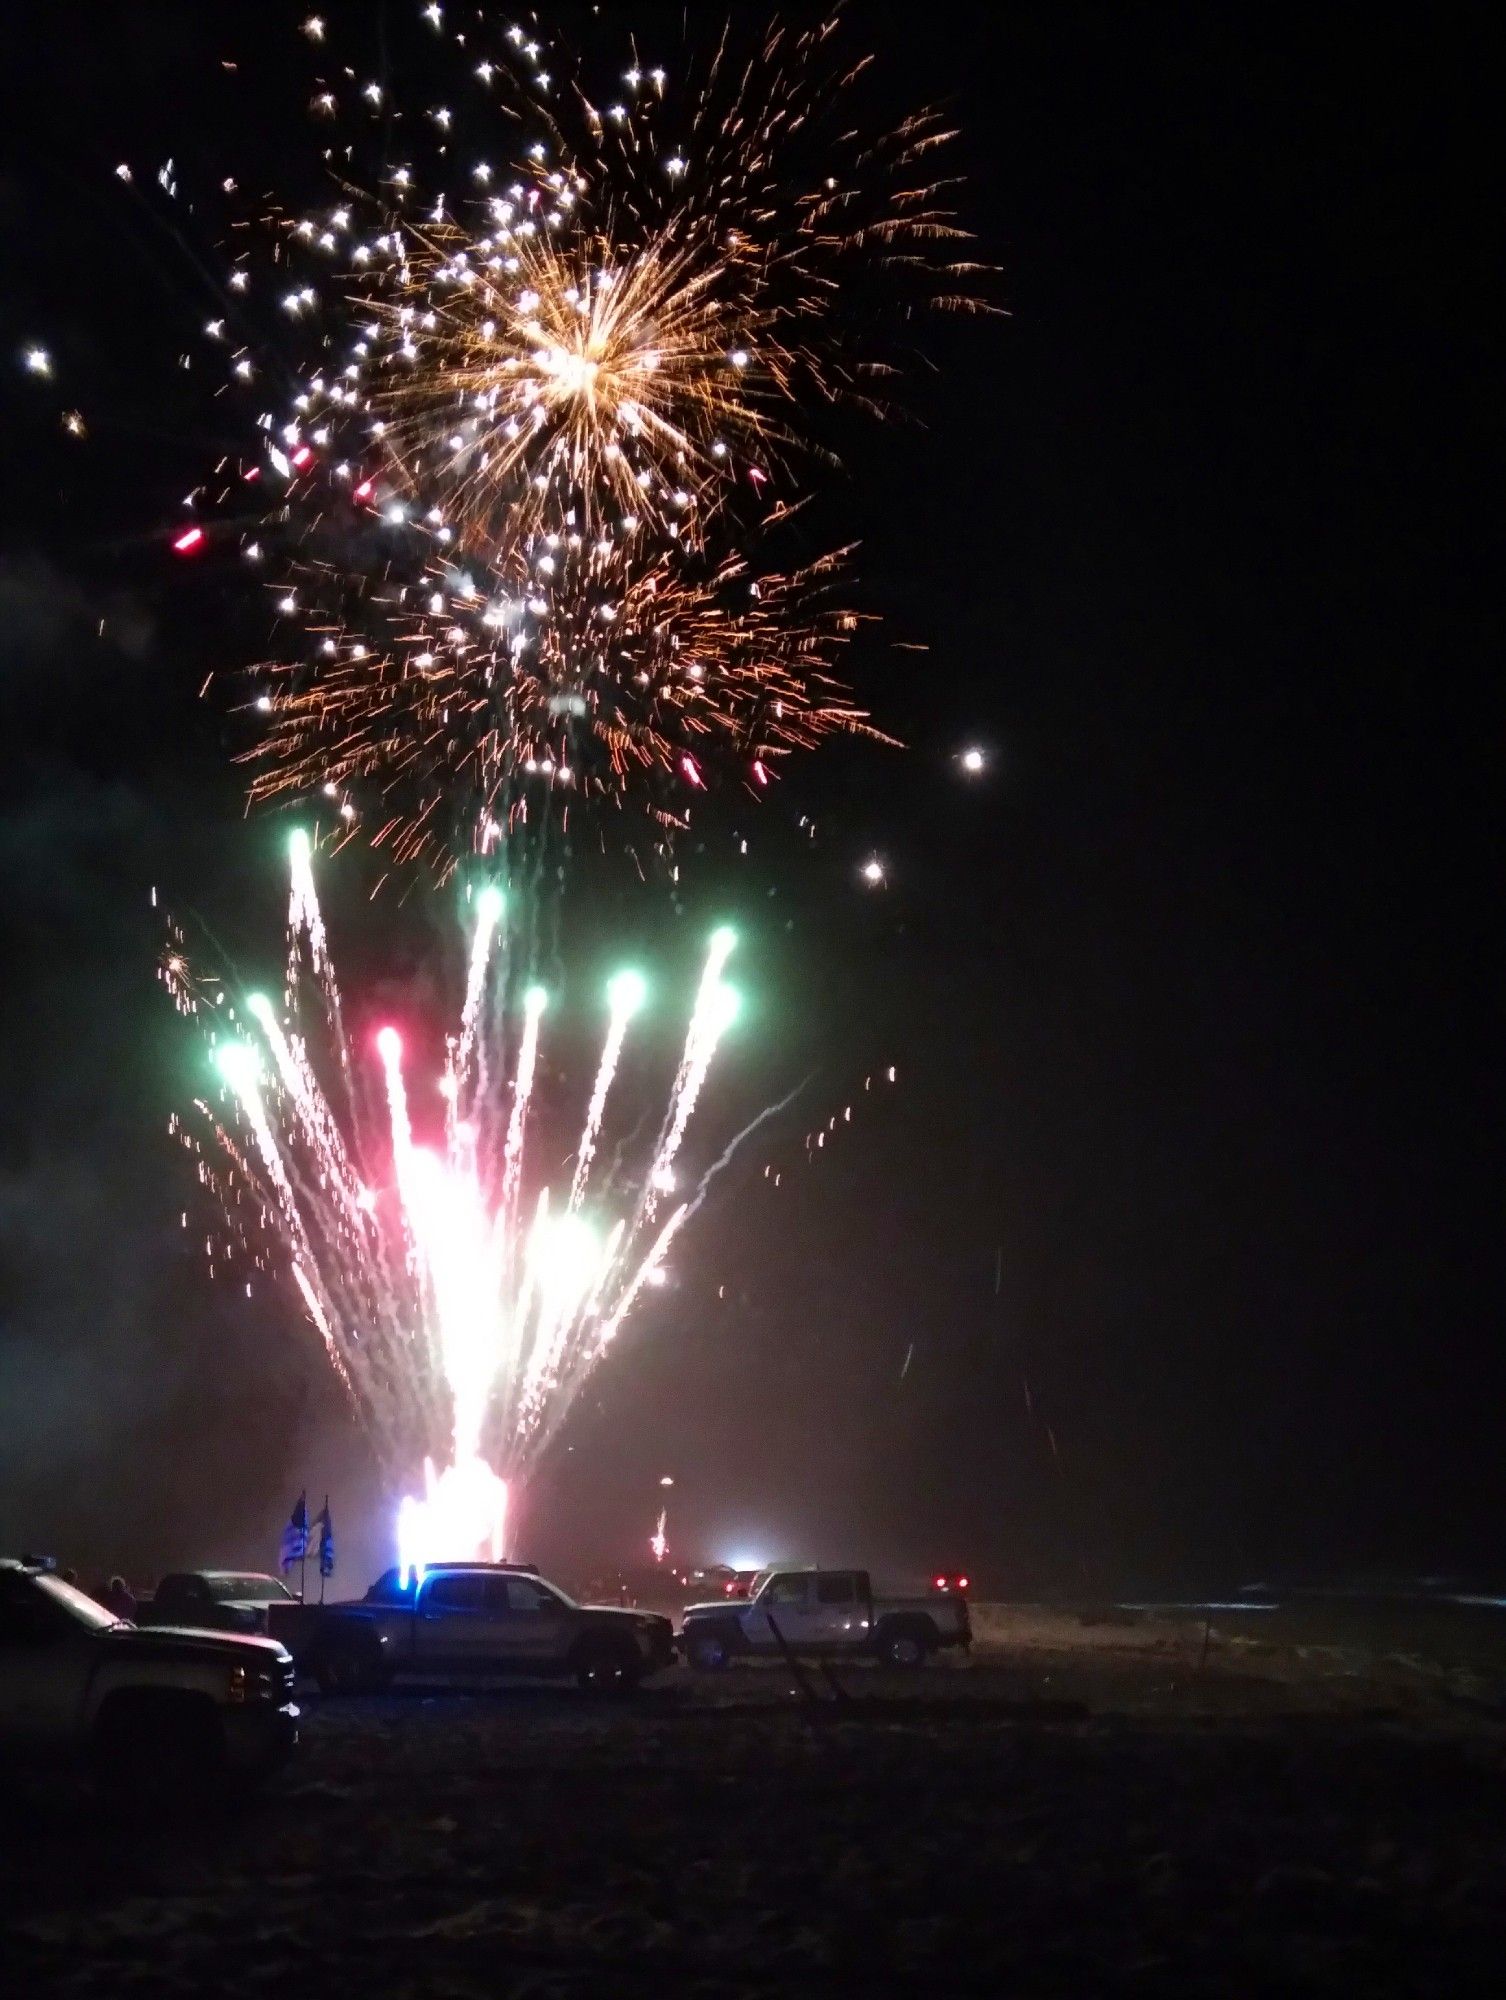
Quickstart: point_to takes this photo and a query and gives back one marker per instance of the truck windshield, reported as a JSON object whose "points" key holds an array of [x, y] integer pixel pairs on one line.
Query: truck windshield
{"points": [[83, 1610], [248, 1590]]}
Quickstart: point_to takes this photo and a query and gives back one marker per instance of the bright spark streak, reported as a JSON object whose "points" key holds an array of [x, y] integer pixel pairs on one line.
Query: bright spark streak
{"points": [[534, 1003], [626, 994], [489, 907], [715, 1010]]}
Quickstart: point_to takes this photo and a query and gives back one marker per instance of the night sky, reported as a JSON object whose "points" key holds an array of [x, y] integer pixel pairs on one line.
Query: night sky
{"points": [[1185, 1205]]}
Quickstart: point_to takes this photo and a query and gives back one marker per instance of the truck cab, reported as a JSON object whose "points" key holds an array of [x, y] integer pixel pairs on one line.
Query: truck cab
{"points": [[816, 1610], [453, 1620]]}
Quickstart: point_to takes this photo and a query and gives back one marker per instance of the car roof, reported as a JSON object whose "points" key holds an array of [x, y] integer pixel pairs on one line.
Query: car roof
{"points": [[211, 1575], [807, 1569], [466, 1569], [489, 1569]]}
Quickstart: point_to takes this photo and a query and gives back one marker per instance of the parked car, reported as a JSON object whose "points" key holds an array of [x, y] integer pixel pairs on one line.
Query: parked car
{"points": [[458, 1619], [721, 1579], [824, 1611], [220, 1600], [149, 1713]]}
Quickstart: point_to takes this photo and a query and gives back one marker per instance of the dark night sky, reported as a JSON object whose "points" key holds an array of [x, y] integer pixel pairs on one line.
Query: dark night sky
{"points": [[1195, 1002]]}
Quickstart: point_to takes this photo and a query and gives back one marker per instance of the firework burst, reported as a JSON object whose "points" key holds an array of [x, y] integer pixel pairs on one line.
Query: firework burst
{"points": [[559, 350], [462, 1303], [470, 695]]}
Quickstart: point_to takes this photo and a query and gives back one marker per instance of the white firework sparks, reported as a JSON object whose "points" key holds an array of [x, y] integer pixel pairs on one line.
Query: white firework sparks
{"points": [[462, 1318]]}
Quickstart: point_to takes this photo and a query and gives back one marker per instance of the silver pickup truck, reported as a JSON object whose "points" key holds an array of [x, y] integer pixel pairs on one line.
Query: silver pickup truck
{"points": [[148, 1712], [824, 1611], [460, 1619]]}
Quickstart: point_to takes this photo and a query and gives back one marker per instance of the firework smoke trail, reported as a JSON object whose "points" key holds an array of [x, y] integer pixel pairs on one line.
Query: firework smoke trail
{"points": [[461, 1335]]}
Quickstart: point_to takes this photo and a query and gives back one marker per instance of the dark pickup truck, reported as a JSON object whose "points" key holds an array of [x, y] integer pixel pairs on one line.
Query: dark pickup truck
{"points": [[461, 1619], [150, 1713], [224, 1600]]}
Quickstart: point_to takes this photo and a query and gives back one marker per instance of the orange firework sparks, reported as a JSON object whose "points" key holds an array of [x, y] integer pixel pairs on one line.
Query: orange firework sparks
{"points": [[577, 687], [522, 501]]}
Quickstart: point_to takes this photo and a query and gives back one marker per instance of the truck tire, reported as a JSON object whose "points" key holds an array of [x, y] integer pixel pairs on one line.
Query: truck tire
{"points": [[606, 1666], [350, 1671], [908, 1645], [709, 1652], [152, 1750]]}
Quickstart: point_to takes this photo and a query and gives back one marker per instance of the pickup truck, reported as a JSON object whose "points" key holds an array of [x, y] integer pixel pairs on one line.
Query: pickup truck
{"points": [[222, 1600], [152, 1714], [824, 1611], [457, 1619]]}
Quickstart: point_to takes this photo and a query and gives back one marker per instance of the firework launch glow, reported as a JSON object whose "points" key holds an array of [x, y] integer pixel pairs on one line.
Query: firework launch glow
{"points": [[462, 1304], [560, 338]]}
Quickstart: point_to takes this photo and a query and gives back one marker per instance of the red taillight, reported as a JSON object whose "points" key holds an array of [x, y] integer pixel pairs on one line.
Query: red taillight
{"points": [[962, 1583], [941, 1583]]}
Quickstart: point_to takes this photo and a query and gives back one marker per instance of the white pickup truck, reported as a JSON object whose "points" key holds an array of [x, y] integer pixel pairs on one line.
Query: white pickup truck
{"points": [[161, 1712], [824, 1611]]}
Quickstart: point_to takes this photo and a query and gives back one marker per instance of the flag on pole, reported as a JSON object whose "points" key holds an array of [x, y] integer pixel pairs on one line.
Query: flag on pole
{"points": [[326, 1529], [295, 1536]]}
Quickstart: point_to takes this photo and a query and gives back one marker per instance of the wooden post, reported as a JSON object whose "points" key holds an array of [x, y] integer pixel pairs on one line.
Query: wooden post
{"points": [[802, 1679]]}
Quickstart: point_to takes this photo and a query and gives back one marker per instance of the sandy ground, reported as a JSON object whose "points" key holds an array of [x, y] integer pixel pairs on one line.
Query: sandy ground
{"points": [[1080, 1809]]}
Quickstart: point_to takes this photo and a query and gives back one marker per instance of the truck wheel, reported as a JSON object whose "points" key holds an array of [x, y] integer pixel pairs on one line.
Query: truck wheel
{"points": [[905, 1648], [608, 1670], [709, 1652], [348, 1673]]}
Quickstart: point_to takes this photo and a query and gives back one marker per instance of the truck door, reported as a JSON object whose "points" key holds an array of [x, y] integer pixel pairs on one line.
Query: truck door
{"points": [[532, 1625], [786, 1599], [451, 1627], [839, 1616]]}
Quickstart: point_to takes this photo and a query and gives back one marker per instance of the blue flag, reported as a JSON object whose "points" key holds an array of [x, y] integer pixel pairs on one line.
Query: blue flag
{"points": [[295, 1536], [326, 1529]]}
